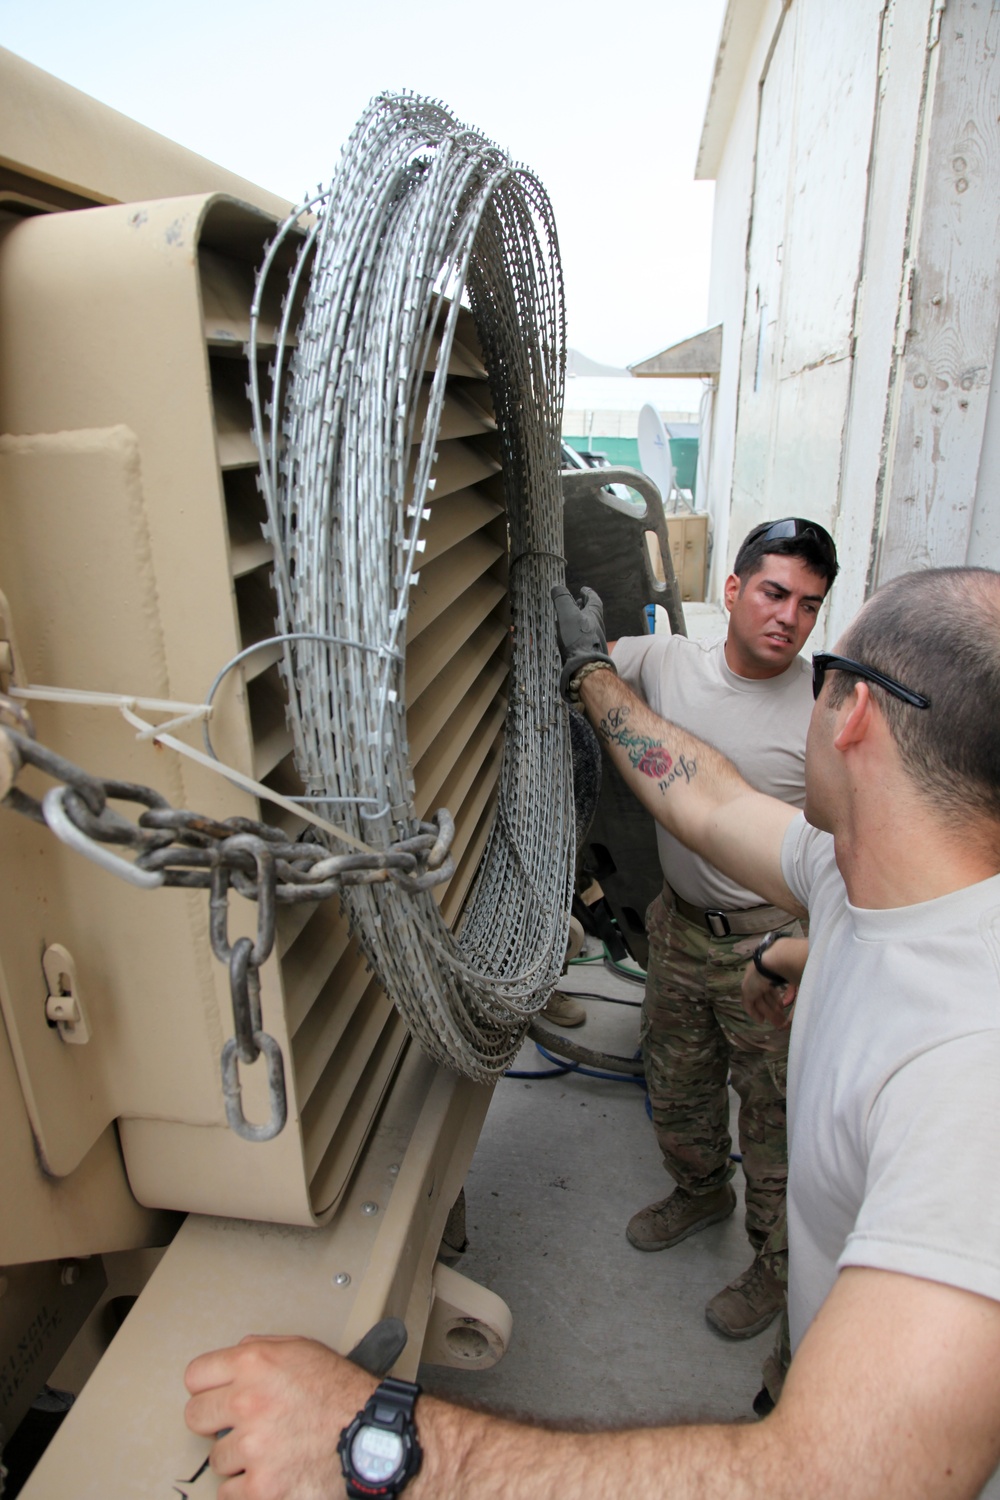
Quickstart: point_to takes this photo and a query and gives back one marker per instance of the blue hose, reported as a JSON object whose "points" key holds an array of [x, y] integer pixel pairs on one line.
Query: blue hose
{"points": [[573, 1067]]}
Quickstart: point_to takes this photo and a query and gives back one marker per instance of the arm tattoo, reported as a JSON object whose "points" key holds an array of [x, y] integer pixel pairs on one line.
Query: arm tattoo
{"points": [[647, 756]]}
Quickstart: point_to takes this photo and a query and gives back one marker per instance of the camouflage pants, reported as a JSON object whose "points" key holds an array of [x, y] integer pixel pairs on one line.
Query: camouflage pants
{"points": [[777, 1362], [695, 1035]]}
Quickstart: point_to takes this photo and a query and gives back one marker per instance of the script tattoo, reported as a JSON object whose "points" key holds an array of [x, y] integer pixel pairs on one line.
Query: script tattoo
{"points": [[648, 756], [616, 718]]}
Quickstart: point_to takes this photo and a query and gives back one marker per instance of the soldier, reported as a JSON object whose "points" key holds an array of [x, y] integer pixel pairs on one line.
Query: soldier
{"points": [[748, 694], [894, 1230]]}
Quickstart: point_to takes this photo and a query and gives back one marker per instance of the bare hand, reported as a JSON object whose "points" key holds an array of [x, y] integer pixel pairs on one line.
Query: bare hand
{"points": [[285, 1401], [767, 1003]]}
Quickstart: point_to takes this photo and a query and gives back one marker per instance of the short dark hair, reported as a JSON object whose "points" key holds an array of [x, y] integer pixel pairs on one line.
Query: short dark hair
{"points": [[807, 539], [938, 631]]}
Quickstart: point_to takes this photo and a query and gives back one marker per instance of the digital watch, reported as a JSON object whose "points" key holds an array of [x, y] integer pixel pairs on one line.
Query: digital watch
{"points": [[379, 1451]]}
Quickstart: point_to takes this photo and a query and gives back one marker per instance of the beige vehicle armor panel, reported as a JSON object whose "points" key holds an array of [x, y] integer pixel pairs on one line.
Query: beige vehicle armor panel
{"points": [[131, 522]]}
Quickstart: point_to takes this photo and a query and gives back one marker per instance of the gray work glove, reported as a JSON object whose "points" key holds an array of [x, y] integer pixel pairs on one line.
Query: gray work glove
{"points": [[582, 642]]}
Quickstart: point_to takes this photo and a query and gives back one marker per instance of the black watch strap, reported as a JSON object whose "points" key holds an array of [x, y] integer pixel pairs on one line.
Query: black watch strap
{"points": [[392, 1395], [771, 975]]}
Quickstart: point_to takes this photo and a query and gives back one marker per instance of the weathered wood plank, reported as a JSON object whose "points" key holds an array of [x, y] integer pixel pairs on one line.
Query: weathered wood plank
{"points": [[902, 72], [817, 107], [943, 384]]}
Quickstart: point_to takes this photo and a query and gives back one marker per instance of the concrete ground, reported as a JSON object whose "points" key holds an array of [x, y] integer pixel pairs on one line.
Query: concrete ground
{"points": [[602, 1332]]}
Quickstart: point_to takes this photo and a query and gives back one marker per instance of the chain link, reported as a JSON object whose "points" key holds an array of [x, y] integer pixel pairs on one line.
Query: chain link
{"points": [[191, 850]]}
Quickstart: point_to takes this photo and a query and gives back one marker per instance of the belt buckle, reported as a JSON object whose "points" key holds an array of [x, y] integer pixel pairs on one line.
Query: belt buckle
{"points": [[723, 929]]}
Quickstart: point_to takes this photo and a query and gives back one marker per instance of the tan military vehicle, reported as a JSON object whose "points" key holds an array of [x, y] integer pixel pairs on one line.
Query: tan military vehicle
{"points": [[132, 567]]}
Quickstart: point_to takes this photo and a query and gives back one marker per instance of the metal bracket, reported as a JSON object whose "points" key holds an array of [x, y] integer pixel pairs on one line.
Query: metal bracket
{"points": [[64, 1007], [469, 1327]]}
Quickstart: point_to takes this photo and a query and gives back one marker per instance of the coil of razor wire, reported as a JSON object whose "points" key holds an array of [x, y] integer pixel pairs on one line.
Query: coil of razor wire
{"points": [[420, 213]]}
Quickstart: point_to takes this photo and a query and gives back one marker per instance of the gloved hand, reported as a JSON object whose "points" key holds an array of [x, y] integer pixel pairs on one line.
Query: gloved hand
{"points": [[582, 642]]}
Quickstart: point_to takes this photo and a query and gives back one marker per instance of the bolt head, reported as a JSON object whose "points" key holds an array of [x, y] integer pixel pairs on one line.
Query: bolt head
{"points": [[369, 1208]]}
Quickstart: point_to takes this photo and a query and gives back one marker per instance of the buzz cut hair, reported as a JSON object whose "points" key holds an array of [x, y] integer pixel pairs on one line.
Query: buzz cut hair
{"points": [[937, 631]]}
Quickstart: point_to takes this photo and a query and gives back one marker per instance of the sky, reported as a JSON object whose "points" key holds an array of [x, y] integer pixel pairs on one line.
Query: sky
{"points": [[603, 101]]}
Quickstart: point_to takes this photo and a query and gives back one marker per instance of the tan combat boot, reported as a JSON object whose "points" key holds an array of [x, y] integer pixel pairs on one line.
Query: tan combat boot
{"points": [[563, 1010], [746, 1306], [673, 1219]]}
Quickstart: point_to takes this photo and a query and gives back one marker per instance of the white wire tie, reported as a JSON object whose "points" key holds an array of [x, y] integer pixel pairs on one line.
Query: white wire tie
{"points": [[247, 783], [184, 713], [88, 699], [199, 716], [422, 544]]}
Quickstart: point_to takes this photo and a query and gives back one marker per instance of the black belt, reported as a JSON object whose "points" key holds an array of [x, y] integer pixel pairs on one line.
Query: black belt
{"points": [[741, 923]]}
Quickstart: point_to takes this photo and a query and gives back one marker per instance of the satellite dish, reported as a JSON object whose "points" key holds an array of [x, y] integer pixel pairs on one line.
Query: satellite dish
{"points": [[654, 451]]}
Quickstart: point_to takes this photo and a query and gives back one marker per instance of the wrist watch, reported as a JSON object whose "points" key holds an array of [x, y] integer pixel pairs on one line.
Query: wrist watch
{"points": [[771, 975], [379, 1451]]}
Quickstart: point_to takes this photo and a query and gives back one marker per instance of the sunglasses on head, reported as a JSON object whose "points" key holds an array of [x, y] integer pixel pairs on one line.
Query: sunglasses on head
{"points": [[795, 526], [825, 661]]}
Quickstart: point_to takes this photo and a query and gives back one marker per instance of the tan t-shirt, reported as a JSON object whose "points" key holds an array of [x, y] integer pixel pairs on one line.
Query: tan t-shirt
{"points": [[760, 724]]}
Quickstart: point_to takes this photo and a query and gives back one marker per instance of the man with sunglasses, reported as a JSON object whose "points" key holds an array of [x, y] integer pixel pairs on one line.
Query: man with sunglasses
{"points": [[894, 1216], [749, 695]]}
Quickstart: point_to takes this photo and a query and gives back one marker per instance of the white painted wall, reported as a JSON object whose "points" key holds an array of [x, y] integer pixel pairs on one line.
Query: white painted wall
{"points": [[727, 291], [984, 534], [902, 68], [942, 386], [815, 123], [859, 285]]}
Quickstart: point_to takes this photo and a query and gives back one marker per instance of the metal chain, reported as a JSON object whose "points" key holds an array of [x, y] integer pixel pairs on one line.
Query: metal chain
{"points": [[178, 848]]}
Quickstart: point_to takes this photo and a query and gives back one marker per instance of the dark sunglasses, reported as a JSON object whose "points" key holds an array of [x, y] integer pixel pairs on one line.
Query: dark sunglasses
{"points": [[796, 527], [793, 526], [824, 661]]}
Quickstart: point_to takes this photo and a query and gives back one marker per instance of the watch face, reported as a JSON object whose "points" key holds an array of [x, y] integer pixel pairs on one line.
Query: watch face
{"points": [[376, 1454]]}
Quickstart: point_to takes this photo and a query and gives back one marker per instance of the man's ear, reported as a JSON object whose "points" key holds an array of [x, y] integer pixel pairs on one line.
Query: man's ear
{"points": [[730, 590], [858, 717]]}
